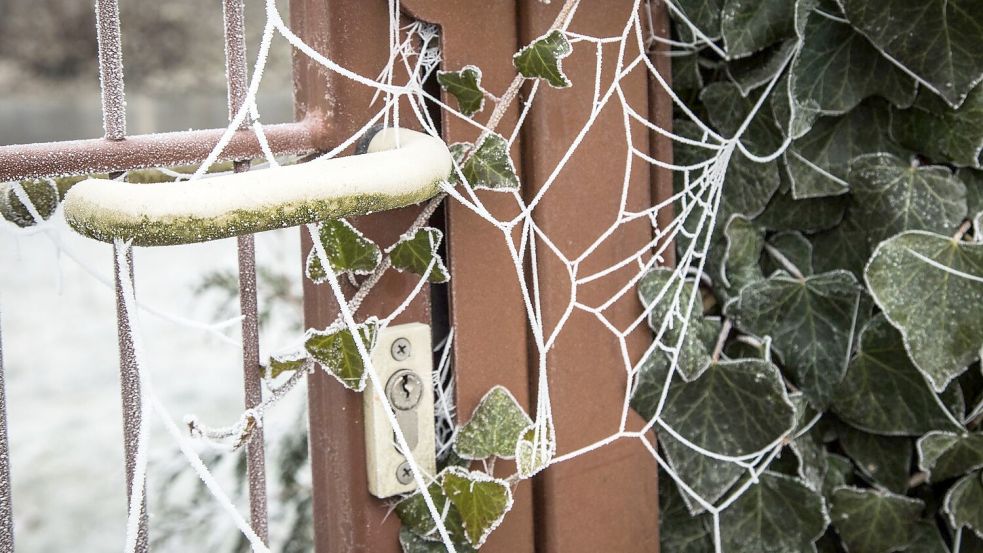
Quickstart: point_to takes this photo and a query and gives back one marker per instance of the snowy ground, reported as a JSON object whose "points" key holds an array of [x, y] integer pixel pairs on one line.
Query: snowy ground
{"points": [[59, 349]]}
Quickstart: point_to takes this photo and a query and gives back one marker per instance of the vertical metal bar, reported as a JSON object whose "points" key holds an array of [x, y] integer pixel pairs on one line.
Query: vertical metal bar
{"points": [[6, 494], [130, 387], [111, 69], [236, 76]]}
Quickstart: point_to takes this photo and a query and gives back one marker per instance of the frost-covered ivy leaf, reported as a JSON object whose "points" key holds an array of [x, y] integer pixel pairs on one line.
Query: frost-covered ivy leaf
{"points": [[708, 477], [411, 543], [43, 195], [335, 349], [931, 287], [838, 67], [465, 85], [686, 75], [811, 455], [481, 501], [818, 163], [279, 364], [758, 70], [776, 515], [926, 538], [347, 249], [807, 215], [839, 473], [751, 25], [884, 393], [494, 427], [810, 321], [791, 245], [884, 459], [679, 531], [543, 59], [533, 455], [742, 246], [964, 503], [842, 247], [937, 40], [892, 196], [728, 108], [954, 399], [662, 286], [942, 133], [415, 254], [703, 14], [973, 179], [946, 455], [490, 166], [793, 117], [873, 521], [415, 515]]}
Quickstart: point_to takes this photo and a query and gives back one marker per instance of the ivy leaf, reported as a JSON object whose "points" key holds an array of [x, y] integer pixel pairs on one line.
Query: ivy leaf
{"points": [[873, 521], [490, 166], [680, 532], [751, 25], [964, 503], [728, 109], [758, 70], [495, 426], [784, 212], [415, 515], [532, 456], [672, 297], [810, 321], [813, 463], [708, 477], [481, 501], [892, 197], [927, 538], [840, 473], [347, 249], [818, 163], [946, 455], [842, 247], [937, 40], [465, 85], [334, 348], [777, 514], [43, 195], [415, 254], [743, 242], [279, 364], [794, 247], [883, 392], [543, 59], [686, 77], [942, 133], [973, 180], [704, 14], [411, 543], [885, 460], [837, 67], [930, 287]]}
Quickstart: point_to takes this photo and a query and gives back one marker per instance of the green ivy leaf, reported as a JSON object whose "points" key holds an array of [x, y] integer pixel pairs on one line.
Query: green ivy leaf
{"points": [[842, 247], [945, 455], [840, 473], [818, 163], [927, 538], [837, 67], [415, 253], [892, 196], [743, 242], [543, 59], [937, 40], [704, 14], [728, 109], [758, 70], [411, 543], [973, 179], [793, 246], [686, 75], [415, 515], [334, 348], [751, 25], [347, 249], [784, 212], [481, 500], [776, 515], [942, 133], [873, 521], [694, 357], [465, 85], [885, 460], [813, 462], [279, 364], [708, 477], [495, 426], [964, 503], [930, 287], [43, 195], [490, 166], [680, 532], [532, 457], [883, 392], [810, 321]]}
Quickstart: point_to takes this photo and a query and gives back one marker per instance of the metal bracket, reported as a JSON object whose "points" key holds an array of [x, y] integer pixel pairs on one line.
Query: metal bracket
{"points": [[404, 363]]}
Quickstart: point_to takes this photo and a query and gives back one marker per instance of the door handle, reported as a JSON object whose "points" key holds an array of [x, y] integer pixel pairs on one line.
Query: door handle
{"points": [[400, 167]]}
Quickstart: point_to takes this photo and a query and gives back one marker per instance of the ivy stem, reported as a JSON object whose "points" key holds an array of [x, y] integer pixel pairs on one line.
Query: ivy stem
{"points": [[962, 230], [784, 261], [917, 479], [721, 339]]}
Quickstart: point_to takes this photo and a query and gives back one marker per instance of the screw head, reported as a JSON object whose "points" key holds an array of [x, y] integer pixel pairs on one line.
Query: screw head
{"points": [[404, 474], [404, 389], [401, 349]]}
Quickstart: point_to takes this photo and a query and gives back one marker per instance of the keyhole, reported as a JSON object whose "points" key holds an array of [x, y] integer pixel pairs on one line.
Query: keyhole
{"points": [[407, 385], [404, 389]]}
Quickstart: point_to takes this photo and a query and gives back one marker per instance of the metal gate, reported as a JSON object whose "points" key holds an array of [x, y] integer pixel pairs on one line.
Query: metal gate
{"points": [[606, 501]]}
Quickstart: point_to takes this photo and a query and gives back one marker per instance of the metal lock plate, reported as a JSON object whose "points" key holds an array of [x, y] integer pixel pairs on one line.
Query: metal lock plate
{"points": [[404, 363]]}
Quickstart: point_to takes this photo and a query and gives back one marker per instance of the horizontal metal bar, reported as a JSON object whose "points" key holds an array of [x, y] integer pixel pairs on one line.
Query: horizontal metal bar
{"points": [[80, 157]]}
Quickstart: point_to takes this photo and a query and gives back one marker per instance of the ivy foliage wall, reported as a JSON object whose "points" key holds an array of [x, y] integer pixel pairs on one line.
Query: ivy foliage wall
{"points": [[846, 276]]}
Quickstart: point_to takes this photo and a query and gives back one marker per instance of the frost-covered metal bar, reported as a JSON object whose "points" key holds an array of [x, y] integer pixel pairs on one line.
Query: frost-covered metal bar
{"points": [[111, 69], [236, 76], [80, 157], [6, 494]]}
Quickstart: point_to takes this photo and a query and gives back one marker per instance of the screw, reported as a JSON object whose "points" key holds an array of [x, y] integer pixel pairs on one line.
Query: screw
{"points": [[404, 474], [404, 389], [400, 349]]}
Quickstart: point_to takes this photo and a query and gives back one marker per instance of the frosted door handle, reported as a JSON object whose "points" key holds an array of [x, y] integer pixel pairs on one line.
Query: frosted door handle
{"points": [[160, 214]]}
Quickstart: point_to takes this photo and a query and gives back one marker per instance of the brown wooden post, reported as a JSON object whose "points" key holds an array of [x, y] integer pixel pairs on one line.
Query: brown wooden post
{"points": [[346, 517], [605, 500]]}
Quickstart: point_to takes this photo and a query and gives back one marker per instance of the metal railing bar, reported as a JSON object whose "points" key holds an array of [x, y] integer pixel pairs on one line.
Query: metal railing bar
{"points": [[111, 69], [81, 157], [236, 76], [6, 493]]}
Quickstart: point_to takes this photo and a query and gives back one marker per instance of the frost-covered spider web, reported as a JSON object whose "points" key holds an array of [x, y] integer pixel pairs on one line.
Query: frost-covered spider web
{"points": [[669, 298]]}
